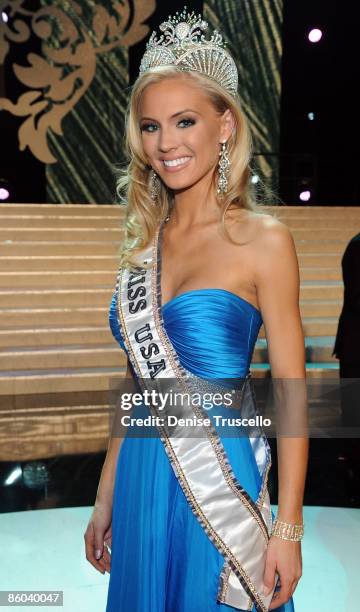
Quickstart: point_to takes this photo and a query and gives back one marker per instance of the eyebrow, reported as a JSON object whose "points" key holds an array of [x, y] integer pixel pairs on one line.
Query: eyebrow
{"points": [[186, 110]]}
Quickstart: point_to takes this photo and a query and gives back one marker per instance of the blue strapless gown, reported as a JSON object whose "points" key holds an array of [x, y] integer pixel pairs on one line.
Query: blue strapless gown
{"points": [[161, 558]]}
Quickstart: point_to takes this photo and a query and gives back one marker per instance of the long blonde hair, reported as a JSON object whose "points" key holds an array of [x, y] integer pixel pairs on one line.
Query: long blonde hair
{"points": [[132, 186]]}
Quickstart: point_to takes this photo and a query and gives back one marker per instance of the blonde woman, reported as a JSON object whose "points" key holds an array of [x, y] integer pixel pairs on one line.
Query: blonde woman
{"points": [[183, 523]]}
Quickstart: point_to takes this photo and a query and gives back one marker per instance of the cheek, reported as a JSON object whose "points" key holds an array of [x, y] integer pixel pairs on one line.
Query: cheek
{"points": [[205, 143], [206, 150], [148, 148]]}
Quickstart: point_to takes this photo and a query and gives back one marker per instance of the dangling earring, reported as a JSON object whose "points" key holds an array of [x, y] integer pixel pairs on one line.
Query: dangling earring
{"points": [[224, 167], [154, 186]]}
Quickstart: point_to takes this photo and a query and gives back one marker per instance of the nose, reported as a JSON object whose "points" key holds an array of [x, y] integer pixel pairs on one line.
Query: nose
{"points": [[167, 140]]}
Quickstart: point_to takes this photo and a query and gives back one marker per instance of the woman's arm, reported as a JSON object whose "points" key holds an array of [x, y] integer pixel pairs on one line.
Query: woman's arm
{"points": [[278, 287], [99, 530], [116, 438], [107, 478]]}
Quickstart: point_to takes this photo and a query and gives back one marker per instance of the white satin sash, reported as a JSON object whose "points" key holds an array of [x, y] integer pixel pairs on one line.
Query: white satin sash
{"points": [[237, 526]]}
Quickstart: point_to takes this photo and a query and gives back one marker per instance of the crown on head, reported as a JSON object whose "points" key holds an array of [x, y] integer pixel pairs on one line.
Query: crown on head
{"points": [[184, 45]]}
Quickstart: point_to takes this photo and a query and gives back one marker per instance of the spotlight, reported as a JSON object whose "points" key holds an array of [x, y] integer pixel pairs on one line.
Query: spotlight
{"points": [[305, 195], [315, 35], [5, 190], [14, 475], [311, 116], [4, 194]]}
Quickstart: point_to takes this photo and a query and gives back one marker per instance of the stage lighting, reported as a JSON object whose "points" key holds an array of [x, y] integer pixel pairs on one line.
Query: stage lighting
{"points": [[14, 476], [311, 116], [36, 475], [4, 194], [305, 195], [315, 35], [5, 190]]}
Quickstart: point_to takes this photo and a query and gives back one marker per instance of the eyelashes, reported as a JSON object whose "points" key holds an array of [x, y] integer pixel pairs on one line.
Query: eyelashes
{"points": [[144, 128]]}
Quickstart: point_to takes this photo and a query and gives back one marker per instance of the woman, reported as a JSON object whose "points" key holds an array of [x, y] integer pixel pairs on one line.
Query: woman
{"points": [[188, 520]]}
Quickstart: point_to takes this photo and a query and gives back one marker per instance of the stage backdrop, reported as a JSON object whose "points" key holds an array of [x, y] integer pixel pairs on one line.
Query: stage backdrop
{"points": [[71, 111], [253, 34]]}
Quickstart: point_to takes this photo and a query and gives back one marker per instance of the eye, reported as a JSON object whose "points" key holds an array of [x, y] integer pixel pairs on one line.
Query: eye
{"points": [[144, 128], [147, 127], [189, 121]]}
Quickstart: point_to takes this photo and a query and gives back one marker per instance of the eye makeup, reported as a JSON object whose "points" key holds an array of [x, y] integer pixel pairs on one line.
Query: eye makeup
{"points": [[144, 126]]}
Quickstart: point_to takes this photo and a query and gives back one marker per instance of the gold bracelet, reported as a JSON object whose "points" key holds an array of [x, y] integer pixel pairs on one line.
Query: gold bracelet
{"points": [[287, 531]]}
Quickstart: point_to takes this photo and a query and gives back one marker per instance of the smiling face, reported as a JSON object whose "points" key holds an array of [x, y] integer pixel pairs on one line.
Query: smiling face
{"points": [[181, 132]]}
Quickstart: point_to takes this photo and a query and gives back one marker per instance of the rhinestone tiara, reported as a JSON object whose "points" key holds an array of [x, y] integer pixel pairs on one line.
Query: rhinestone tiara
{"points": [[184, 45]]}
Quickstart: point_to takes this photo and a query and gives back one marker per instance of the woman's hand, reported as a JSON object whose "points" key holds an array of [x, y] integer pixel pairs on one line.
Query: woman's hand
{"points": [[284, 557], [98, 537]]}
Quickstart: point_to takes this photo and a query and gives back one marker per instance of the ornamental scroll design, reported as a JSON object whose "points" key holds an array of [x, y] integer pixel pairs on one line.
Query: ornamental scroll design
{"points": [[61, 75]]}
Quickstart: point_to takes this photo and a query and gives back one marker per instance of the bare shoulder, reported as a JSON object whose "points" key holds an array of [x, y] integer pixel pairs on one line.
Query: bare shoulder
{"points": [[274, 247], [271, 232], [262, 230], [270, 246]]}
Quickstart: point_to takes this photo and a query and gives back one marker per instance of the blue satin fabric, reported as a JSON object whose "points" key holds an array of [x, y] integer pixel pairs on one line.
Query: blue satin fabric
{"points": [[161, 558]]}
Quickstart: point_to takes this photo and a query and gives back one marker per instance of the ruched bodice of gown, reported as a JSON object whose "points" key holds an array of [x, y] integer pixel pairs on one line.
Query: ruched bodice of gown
{"points": [[213, 331]]}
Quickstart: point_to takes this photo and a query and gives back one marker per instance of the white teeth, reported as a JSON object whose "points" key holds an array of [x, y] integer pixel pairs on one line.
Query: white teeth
{"points": [[175, 162]]}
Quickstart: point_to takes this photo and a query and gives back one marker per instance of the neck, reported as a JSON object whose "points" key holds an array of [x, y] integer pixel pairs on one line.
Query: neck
{"points": [[194, 206]]}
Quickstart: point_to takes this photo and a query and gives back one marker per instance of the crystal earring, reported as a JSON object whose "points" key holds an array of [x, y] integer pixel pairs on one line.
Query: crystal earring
{"points": [[154, 186], [224, 168]]}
